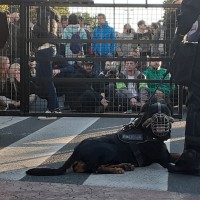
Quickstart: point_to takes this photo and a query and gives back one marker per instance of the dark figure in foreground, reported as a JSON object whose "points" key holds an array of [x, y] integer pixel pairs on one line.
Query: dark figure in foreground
{"points": [[189, 162], [139, 144]]}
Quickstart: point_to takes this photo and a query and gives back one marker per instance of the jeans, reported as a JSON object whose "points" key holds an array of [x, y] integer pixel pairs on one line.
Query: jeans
{"points": [[44, 70]]}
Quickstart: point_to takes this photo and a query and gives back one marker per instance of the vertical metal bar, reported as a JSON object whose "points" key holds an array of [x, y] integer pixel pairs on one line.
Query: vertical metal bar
{"points": [[24, 69], [180, 100], [114, 14]]}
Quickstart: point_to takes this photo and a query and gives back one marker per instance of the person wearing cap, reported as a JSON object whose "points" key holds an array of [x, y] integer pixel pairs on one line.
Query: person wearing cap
{"points": [[84, 96]]}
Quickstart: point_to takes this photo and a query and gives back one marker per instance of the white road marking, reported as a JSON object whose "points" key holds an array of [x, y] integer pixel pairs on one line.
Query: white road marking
{"points": [[6, 121], [34, 149]]}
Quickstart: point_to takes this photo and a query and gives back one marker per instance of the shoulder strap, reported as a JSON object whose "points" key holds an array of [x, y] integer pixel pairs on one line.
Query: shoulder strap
{"points": [[137, 154]]}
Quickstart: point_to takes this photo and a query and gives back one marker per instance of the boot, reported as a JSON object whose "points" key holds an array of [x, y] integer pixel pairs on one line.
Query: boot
{"points": [[188, 163]]}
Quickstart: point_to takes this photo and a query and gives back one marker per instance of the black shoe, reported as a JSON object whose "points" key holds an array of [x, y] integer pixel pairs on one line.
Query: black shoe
{"points": [[188, 163]]}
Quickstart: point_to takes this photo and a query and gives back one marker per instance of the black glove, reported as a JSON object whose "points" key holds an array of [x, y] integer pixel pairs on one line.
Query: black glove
{"points": [[175, 44]]}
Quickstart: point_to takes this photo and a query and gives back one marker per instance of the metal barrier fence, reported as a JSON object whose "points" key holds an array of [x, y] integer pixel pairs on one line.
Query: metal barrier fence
{"points": [[78, 93]]}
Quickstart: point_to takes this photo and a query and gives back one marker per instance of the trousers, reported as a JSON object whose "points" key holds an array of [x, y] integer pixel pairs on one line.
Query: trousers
{"points": [[192, 129], [44, 70]]}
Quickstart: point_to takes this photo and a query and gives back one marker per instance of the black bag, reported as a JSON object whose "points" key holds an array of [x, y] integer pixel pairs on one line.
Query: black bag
{"points": [[182, 63], [76, 47], [3, 29]]}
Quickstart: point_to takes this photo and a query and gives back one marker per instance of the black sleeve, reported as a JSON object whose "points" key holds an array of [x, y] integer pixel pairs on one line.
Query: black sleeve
{"points": [[4, 29], [190, 10]]}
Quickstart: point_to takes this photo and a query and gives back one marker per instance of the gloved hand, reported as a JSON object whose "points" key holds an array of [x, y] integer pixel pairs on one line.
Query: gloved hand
{"points": [[175, 44]]}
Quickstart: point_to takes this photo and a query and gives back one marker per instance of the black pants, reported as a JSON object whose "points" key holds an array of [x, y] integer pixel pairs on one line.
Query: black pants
{"points": [[192, 130], [87, 101]]}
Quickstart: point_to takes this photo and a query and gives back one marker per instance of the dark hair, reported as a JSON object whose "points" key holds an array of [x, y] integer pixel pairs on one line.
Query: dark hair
{"points": [[101, 15], [154, 25], [73, 19], [64, 18], [80, 18], [130, 58], [141, 22]]}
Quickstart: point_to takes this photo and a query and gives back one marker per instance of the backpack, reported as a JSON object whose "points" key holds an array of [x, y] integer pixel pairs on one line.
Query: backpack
{"points": [[3, 29], [76, 47]]}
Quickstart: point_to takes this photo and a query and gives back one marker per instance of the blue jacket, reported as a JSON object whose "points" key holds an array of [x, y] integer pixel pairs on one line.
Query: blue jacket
{"points": [[104, 32]]}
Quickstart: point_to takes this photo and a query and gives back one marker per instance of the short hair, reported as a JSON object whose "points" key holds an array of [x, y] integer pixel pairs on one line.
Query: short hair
{"points": [[127, 25], [131, 58], [80, 18], [2, 59], [101, 15], [154, 24], [12, 68], [73, 19], [141, 22], [64, 18]]}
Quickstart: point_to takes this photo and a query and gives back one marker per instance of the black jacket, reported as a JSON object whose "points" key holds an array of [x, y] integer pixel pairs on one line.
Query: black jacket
{"points": [[83, 96], [4, 29], [190, 10]]}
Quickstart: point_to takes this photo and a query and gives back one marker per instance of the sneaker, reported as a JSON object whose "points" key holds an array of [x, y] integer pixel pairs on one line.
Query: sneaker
{"points": [[57, 110]]}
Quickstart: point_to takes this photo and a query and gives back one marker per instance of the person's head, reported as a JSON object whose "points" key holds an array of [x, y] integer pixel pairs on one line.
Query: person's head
{"points": [[14, 71], [134, 53], [178, 2], [88, 66], [101, 18], [156, 64], [154, 27], [108, 65], [142, 24], [54, 27], [14, 17], [117, 34], [81, 21], [32, 64], [73, 19], [130, 65], [127, 28], [64, 21], [4, 65]]}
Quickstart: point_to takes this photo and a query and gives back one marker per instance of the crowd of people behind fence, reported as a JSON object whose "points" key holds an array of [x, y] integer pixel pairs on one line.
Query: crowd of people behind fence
{"points": [[84, 97]]}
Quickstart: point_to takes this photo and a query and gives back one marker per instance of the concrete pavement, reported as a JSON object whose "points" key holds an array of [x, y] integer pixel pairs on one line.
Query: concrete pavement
{"points": [[14, 190]]}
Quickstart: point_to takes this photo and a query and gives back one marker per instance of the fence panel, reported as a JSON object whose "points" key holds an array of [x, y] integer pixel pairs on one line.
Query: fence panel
{"points": [[112, 74]]}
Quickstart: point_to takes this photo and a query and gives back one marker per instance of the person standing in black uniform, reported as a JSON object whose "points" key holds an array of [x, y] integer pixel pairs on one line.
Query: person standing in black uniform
{"points": [[189, 161]]}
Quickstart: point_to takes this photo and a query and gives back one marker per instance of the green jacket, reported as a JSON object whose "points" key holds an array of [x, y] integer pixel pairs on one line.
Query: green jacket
{"points": [[153, 74]]}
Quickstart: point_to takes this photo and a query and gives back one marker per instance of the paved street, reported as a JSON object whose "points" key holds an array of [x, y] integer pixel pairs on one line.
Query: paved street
{"points": [[27, 142]]}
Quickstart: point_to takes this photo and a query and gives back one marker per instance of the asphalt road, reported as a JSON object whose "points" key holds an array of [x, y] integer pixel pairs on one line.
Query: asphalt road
{"points": [[27, 142]]}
